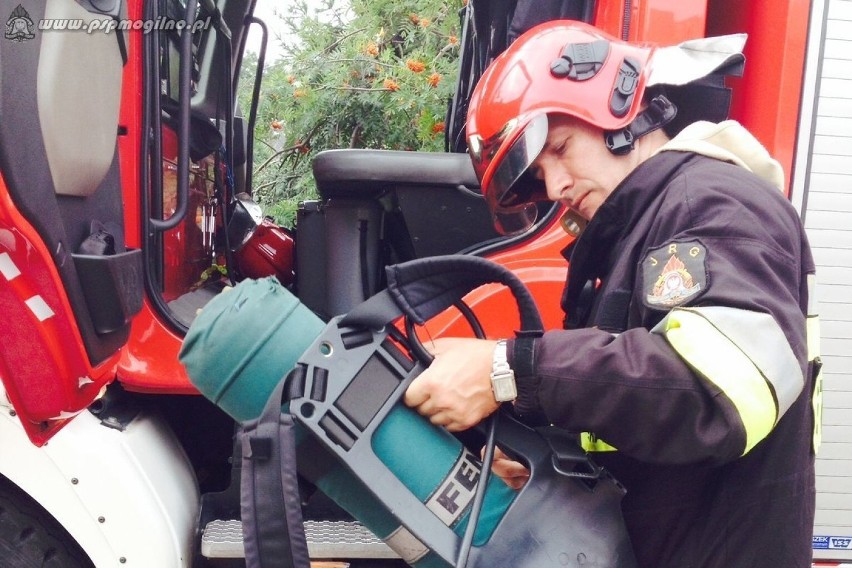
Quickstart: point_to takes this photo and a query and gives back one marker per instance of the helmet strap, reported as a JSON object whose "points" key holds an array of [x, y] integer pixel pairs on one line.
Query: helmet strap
{"points": [[659, 112]]}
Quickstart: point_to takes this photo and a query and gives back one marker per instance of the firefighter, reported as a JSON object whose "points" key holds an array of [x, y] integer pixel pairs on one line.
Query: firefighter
{"points": [[685, 363]]}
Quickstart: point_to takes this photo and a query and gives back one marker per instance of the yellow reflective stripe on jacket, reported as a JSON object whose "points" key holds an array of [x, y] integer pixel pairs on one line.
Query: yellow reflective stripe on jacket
{"points": [[815, 363], [816, 401], [713, 355], [762, 340], [813, 337], [591, 443]]}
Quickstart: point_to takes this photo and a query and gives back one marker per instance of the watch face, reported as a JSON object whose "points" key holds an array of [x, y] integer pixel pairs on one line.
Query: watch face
{"points": [[502, 376], [504, 386]]}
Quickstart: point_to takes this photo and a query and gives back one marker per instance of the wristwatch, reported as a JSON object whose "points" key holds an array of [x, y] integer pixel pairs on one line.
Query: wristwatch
{"points": [[502, 375]]}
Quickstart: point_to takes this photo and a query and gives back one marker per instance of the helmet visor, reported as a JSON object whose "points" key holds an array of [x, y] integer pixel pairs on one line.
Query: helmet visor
{"points": [[512, 191], [515, 220]]}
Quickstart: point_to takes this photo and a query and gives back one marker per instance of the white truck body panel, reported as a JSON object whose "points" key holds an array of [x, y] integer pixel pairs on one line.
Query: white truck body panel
{"points": [[822, 191], [128, 497]]}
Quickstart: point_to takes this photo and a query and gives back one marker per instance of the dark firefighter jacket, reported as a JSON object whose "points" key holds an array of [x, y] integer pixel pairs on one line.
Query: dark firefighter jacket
{"points": [[692, 360]]}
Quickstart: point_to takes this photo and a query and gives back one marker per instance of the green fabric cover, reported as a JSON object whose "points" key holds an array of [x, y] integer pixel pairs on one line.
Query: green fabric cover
{"points": [[243, 343]]}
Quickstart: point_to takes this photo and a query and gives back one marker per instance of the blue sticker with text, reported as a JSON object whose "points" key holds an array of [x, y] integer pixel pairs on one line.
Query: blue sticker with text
{"points": [[832, 542]]}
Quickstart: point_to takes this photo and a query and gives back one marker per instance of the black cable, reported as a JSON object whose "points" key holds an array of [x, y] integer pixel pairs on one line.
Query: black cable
{"points": [[455, 122], [414, 343], [227, 196], [471, 318], [479, 496], [487, 458], [255, 98], [416, 346], [229, 101], [425, 357]]}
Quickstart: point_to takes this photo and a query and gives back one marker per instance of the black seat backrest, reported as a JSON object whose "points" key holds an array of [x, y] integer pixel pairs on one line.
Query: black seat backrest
{"points": [[379, 207]]}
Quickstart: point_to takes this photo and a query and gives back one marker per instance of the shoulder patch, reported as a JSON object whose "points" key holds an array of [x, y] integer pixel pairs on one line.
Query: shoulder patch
{"points": [[673, 274]]}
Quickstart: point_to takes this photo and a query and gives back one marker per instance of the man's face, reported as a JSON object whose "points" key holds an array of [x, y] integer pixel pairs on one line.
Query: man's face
{"points": [[577, 168]]}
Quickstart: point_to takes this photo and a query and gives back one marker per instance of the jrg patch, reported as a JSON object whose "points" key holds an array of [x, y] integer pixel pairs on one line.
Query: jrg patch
{"points": [[673, 274]]}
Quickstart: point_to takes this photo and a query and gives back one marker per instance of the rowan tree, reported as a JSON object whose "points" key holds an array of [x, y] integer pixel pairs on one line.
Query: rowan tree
{"points": [[356, 74]]}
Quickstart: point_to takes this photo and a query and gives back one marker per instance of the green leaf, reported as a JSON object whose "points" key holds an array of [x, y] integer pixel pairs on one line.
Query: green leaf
{"points": [[328, 88]]}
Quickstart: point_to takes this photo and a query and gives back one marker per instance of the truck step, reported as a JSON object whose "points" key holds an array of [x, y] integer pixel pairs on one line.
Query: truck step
{"points": [[326, 539]]}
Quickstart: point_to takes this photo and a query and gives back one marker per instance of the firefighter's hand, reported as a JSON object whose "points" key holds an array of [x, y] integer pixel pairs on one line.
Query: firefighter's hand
{"points": [[455, 391], [515, 474]]}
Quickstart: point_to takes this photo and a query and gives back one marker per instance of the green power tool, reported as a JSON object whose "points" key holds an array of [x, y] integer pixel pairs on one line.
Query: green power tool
{"points": [[412, 483]]}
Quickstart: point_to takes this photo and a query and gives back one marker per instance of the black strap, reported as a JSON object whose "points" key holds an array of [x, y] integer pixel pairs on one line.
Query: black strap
{"points": [[660, 111], [613, 311], [423, 288], [567, 457], [420, 289], [523, 355], [271, 512], [579, 308]]}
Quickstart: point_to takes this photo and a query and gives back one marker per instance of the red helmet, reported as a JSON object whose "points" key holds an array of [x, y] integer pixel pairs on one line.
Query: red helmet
{"points": [[565, 67]]}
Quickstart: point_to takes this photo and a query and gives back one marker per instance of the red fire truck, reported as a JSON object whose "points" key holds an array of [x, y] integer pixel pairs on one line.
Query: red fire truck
{"points": [[125, 173]]}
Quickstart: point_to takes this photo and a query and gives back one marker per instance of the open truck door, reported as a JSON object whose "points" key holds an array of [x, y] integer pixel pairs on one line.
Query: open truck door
{"points": [[70, 284], [112, 156]]}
